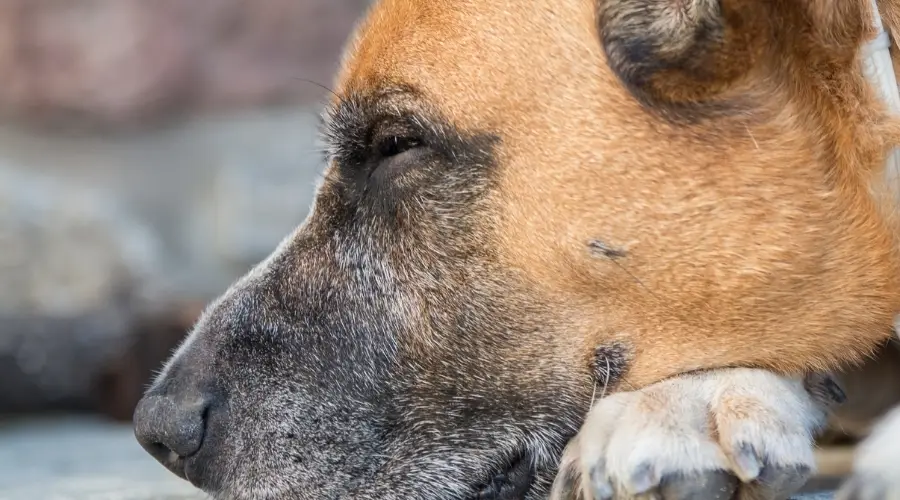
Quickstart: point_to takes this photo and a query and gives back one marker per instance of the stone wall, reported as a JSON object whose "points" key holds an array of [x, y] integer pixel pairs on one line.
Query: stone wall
{"points": [[150, 153]]}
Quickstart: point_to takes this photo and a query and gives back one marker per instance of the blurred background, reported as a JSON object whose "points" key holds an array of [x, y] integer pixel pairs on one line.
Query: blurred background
{"points": [[150, 153]]}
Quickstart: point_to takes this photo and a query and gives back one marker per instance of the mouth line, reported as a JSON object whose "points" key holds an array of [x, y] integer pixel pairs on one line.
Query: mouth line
{"points": [[173, 462], [512, 483]]}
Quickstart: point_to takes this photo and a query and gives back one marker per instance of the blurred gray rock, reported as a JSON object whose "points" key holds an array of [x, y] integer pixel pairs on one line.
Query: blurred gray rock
{"points": [[112, 243], [74, 270], [218, 191], [150, 153], [115, 62], [68, 250]]}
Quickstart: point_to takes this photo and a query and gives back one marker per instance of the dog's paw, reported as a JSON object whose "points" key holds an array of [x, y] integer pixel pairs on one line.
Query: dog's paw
{"points": [[723, 434], [876, 468]]}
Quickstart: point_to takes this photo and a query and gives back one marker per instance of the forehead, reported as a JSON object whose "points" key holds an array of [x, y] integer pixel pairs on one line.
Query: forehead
{"points": [[475, 61]]}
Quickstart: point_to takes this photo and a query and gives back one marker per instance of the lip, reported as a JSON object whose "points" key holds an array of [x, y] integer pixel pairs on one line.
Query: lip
{"points": [[511, 484], [201, 468], [197, 472], [168, 458], [186, 468]]}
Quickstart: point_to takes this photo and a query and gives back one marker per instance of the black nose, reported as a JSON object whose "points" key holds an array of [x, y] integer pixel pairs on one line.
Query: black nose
{"points": [[171, 427]]}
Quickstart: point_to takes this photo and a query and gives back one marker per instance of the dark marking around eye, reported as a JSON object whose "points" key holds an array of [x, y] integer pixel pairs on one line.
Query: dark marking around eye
{"points": [[394, 159], [362, 125]]}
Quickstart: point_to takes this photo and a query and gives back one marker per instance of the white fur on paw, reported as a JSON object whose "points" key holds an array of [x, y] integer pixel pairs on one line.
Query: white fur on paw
{"points": [[876, 468], [685, 437]]}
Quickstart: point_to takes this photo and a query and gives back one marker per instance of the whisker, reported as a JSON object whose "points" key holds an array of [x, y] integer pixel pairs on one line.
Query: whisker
{"points": [[629, 384], [606, 382], [317, 84]]}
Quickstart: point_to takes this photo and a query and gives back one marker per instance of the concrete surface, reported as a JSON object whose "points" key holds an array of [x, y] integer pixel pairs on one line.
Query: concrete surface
{"points": [[81, 458], [76, 458]]}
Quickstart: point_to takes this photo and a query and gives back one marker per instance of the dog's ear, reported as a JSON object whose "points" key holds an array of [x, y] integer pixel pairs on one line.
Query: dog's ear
{"points": [[680, 52], [677, 54]]}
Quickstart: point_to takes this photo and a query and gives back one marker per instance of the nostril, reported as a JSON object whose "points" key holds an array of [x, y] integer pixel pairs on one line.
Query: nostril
{"points": [[170, 430]]}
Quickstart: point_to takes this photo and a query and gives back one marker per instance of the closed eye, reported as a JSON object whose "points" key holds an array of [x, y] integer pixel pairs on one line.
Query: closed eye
{"points": [[395, 145]]}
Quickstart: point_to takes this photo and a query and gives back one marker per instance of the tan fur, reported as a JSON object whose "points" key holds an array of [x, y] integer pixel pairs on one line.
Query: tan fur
{"points": [[752, 237]]}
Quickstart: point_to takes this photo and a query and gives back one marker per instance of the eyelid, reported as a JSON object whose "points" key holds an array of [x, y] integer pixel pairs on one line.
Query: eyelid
{"points": [[395, 145], [388, 128], [391, 129]]}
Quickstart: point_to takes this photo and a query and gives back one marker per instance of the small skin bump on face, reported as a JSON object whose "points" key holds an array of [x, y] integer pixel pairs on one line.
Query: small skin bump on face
{"points": [[602, 249], [610, 364]]}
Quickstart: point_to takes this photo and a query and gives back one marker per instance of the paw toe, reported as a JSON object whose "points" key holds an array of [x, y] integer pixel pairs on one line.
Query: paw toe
{"points": [[599, 482], [747, 464], [780, 481], [643, 478], [712, 485]]}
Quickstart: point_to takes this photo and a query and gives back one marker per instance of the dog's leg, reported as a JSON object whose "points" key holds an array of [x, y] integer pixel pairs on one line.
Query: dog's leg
{"points": [[876, 468], [723, 434]]}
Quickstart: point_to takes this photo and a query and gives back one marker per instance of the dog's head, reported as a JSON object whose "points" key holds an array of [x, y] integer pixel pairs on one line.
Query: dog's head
{"points": [[525, 202]]}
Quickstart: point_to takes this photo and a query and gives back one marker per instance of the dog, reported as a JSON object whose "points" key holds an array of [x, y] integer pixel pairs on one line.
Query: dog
{"points": [[579, 248]]}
